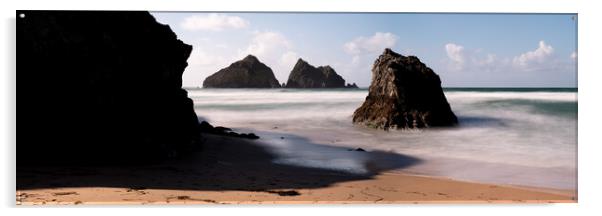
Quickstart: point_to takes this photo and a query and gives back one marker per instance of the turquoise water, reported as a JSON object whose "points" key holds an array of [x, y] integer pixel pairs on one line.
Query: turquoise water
{"points": [[522, 136]]}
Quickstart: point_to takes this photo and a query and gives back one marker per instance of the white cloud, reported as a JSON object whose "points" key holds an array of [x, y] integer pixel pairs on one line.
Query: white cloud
{"points": [[573, 55], [214, 22], [363, 51], [208, 54], [456, 55], [532, 59], [200, 57], [481, 66], [273, 49], [487, 63], [477, 60], [462, 59], [375, 43], [289, 58], [489, 59], [267, 44], [355, 60]]}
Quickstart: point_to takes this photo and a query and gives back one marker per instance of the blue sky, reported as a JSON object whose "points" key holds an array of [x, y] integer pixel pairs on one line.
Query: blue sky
{"points": [[466, 50]]}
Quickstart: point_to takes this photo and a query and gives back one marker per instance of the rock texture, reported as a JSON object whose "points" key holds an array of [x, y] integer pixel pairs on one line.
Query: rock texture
{"points": [[246, 73], [305, 75], [404, 93], [351, 85], [101, 87], [224, 131]]}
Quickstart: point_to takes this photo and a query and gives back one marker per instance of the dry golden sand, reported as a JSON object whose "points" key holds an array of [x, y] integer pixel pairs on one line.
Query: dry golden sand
{"points": [[385, 188], [231, 171]]}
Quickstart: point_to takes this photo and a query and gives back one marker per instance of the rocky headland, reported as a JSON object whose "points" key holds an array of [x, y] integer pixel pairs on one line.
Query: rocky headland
{"points": [[305, 75], [246, 73]]}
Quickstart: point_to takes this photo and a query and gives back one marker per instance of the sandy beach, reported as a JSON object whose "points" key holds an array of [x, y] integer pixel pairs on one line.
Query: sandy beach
{"points": [[231, 170]]}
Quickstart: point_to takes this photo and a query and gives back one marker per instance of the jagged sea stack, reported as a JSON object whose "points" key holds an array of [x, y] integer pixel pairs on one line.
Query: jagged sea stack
{"points": [[246, 73], [305, 75], [404, 93]]}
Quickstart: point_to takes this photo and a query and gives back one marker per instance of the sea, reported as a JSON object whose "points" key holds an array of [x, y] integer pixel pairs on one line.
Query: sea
{"points": [[509, 136]]}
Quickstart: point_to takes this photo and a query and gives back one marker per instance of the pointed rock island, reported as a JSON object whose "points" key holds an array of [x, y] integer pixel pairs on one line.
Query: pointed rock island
{"points": [[246, 73], [404, 93], [305, 75]]}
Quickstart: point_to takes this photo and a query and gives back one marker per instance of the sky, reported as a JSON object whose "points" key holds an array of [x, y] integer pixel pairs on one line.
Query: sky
{"points": [[466, 50]]}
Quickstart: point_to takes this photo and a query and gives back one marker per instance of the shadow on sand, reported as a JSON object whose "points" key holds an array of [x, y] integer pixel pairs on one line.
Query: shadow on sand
{"points": [[225, 163]]}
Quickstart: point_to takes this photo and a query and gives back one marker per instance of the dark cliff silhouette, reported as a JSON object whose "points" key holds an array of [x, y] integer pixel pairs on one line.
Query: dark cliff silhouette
{"points": [[101, 87]]}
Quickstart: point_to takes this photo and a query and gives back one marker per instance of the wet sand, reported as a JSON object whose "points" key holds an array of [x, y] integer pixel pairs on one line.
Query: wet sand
{"points": [[232, 170]]}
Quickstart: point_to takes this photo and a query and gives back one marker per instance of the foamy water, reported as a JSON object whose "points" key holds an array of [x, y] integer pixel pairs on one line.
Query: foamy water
{"points": [[522, 137]]}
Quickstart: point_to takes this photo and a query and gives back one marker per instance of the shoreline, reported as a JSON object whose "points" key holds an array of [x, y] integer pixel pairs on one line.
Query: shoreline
{"points": [[485, 172], [432, 190], [557, 191], [232, 170]]}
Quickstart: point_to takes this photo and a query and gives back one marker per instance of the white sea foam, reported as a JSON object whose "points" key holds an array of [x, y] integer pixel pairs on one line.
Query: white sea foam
{"points": [[527, 137], [479, 96]]}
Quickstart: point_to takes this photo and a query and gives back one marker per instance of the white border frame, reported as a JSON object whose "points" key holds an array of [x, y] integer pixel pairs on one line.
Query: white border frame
{"points": [[588, 80]]}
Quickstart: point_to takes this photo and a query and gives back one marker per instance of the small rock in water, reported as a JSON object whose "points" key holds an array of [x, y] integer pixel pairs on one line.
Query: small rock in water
{"points": [[252, 136], [360, 149], [224, 131]]}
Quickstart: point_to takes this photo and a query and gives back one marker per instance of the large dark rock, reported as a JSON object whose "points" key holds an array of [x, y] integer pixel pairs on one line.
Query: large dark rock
{"points": [[101, 87], [305, 75], [246, 73], [404, 93]]}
